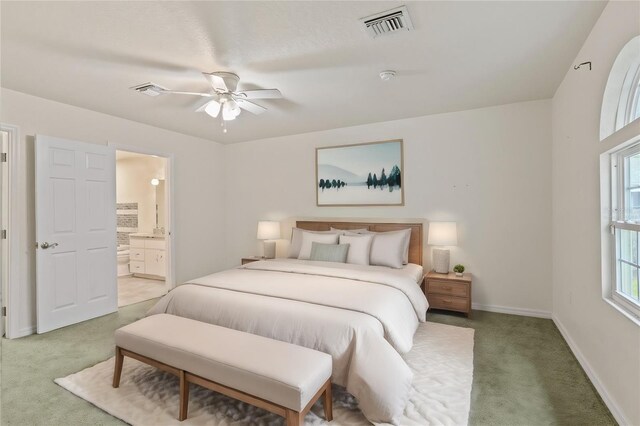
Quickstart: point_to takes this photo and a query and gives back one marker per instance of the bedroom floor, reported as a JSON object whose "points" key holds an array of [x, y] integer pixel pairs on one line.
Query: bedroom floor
{"points": [[524, 373]]}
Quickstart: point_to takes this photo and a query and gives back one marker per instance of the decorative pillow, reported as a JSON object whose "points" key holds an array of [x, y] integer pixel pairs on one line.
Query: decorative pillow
{"points": [[346, 231], [359, 248], [329, 252], [405, 247], [296, 240], [388, 249], [308, 238]]}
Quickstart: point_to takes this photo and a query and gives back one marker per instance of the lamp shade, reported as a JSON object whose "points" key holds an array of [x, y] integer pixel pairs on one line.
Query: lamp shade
{"points": [[268, 230], [442, 234]]}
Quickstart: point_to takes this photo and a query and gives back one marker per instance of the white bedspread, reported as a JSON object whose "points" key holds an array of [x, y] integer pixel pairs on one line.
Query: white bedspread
{"points": [[363, 317]]}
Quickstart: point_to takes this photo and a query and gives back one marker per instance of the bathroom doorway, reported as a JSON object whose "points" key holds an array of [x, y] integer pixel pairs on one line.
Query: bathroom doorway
{"points": [[143, 226]]}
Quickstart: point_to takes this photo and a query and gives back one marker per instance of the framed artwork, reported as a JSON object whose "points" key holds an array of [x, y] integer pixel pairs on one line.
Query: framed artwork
{"points": [[365, 174]]}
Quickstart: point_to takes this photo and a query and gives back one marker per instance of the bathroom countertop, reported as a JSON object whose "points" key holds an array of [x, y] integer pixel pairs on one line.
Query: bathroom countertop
{"points": [[147, 235]]}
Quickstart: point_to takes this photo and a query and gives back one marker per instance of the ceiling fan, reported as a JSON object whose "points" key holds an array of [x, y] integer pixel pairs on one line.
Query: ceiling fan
{"points": [[223, 98]]}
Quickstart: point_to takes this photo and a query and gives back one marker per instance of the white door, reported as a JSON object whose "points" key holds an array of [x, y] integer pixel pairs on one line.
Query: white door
{"points": [[76, 276]]}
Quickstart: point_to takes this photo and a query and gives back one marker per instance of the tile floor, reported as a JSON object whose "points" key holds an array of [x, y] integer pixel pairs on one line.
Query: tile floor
{"points": [[134, 290]]}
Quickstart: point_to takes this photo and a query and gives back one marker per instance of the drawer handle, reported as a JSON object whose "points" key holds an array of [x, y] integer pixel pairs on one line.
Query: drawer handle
{"points": [[447, 287], [448, 302]]}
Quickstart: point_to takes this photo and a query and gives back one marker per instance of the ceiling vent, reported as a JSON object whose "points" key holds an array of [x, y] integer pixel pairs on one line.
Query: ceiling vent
{"points": [[149, 89], [388, 22]]}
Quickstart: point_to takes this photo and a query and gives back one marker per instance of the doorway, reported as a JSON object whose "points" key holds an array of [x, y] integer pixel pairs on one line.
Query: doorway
{"points": [[143, 236]]}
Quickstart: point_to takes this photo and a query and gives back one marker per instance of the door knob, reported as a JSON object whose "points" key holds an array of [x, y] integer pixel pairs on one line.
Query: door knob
{"points": [[46, 245]]}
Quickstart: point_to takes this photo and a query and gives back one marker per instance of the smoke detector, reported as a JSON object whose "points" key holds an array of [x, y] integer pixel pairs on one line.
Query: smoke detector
{"points": [[149, 89], [387, 75], [388, 22]]}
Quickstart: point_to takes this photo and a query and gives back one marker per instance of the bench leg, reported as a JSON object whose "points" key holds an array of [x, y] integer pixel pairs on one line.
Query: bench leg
{"points": [[328, 402], [294, 418], [184, 396], [117, 372]]}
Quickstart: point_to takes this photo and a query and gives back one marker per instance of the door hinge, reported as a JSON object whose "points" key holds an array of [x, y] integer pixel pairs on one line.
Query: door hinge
{"points": [[3, 157], [4, 234], [4, 311]]}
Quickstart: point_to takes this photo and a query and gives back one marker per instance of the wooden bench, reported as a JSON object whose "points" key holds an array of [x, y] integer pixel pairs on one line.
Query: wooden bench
{"points": [[279, 377]]}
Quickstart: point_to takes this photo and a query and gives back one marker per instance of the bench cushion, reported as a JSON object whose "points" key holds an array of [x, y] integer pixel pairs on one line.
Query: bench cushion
{"points": [[280, 372]]}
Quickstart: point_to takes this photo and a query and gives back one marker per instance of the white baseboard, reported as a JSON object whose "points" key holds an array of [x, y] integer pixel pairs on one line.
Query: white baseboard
{"points": [[25, 331], [604, 394], [512, 311]]}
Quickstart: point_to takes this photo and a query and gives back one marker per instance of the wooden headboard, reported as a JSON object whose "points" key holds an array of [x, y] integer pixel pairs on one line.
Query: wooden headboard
{"points": [[415, 243]]}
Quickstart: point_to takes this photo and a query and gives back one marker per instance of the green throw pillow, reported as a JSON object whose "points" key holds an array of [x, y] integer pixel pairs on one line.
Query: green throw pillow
{"points": [[329, 252]]}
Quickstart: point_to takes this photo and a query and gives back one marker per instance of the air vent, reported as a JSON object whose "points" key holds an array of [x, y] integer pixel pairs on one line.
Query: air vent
{"points": [[388, 22], [149, 89]]}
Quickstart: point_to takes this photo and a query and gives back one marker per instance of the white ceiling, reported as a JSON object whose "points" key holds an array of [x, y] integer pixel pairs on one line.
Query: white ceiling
{"points": [[461, 55]]}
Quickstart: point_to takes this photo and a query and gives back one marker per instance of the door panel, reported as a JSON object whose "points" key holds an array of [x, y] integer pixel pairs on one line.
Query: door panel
{"points": [[75, 207]]}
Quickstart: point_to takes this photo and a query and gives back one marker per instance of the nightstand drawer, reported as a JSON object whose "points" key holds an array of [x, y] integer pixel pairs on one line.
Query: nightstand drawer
{"points": [[448, 288], [439, 301]]}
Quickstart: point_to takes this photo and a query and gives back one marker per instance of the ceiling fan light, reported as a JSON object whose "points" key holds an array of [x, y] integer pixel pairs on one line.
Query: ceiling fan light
{"points": [[212, 108], [227, 113]]}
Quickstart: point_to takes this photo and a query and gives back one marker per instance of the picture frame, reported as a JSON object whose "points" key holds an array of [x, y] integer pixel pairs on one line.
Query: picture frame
{"points": [[359, 175]]}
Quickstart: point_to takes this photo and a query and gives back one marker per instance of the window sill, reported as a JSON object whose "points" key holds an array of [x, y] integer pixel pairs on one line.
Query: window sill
{"points": [[631, 316]]}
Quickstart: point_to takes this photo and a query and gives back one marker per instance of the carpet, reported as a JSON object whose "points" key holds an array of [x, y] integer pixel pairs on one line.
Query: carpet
{"points": [[441, 359]]}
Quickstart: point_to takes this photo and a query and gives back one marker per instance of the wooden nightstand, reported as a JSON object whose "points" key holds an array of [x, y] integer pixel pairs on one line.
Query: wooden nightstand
{"points": [[449, 292], [246, 260]]}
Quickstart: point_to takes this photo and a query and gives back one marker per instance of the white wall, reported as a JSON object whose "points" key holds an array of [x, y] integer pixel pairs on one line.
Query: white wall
{"points": [[198, 210], [487, 169], [607, 343], [133, 185]]}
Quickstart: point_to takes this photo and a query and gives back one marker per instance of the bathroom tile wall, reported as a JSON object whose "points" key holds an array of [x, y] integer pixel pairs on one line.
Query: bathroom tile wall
{"points": [[127, 221]]}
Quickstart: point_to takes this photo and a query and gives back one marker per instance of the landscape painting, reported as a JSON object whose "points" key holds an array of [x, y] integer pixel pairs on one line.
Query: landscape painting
{"points": [[368, 174]]}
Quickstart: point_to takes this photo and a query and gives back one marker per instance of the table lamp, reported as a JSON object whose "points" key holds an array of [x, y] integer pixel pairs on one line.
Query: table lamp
{"points": [[269, 231], [442, 234]]}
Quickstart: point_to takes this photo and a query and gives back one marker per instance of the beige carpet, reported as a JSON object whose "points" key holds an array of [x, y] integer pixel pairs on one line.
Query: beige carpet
{"points": [[442, 360]]}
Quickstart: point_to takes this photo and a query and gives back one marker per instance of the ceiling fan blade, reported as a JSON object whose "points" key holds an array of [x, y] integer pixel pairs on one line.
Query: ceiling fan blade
{"points": [[222, 81], [261, 94], [177, 92], [250, 106]]}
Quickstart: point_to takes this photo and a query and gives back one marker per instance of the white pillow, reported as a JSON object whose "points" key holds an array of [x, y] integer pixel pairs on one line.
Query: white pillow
{"points": [[405, 246], [308, 238], [296, 240], [359, 248], [388, 249]]}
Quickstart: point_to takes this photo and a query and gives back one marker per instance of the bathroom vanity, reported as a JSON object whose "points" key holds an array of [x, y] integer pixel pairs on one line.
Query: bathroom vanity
{"points": [[147, 255]]}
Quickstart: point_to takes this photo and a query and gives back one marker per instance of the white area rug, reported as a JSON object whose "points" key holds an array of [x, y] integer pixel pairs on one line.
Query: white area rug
{"points": [[442, 360]]}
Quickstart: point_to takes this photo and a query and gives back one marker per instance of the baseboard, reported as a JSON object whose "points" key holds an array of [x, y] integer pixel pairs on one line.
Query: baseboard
{"points": [[604, 394], [512, 311], [25, 331]]}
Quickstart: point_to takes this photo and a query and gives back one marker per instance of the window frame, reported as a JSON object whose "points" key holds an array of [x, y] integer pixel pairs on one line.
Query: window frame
{"points": [[619, 222]]}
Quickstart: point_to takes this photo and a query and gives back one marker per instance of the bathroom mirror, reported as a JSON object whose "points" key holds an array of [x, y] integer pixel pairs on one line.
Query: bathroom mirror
{"points": [[160, 205]]}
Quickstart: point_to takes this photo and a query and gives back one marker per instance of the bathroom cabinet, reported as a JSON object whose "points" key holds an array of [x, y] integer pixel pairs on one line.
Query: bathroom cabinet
{"points": [[147, 256]]}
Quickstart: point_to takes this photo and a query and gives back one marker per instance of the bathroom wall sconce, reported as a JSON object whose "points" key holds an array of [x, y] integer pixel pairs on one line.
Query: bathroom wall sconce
{"points": [[155, 182]]}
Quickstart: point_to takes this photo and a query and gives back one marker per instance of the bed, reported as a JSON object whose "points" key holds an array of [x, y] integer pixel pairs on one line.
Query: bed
{"points": [[363, 316]]}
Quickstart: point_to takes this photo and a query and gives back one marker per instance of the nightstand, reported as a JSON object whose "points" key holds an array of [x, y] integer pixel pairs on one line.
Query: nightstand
{"points": [[449, 292], [246, 260]]}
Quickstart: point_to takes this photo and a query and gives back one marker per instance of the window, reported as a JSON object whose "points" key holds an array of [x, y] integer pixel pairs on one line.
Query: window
{"points": [[626, 228], [621, 98], [629, 104]]}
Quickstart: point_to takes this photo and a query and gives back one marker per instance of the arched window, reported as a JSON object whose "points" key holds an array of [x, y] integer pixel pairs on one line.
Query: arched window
{"points": [[621, 101], [620, 166]]}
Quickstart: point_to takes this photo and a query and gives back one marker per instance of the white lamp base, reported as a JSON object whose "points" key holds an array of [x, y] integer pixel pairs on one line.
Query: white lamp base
{"points": [[441, 261], [269, 249]]}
